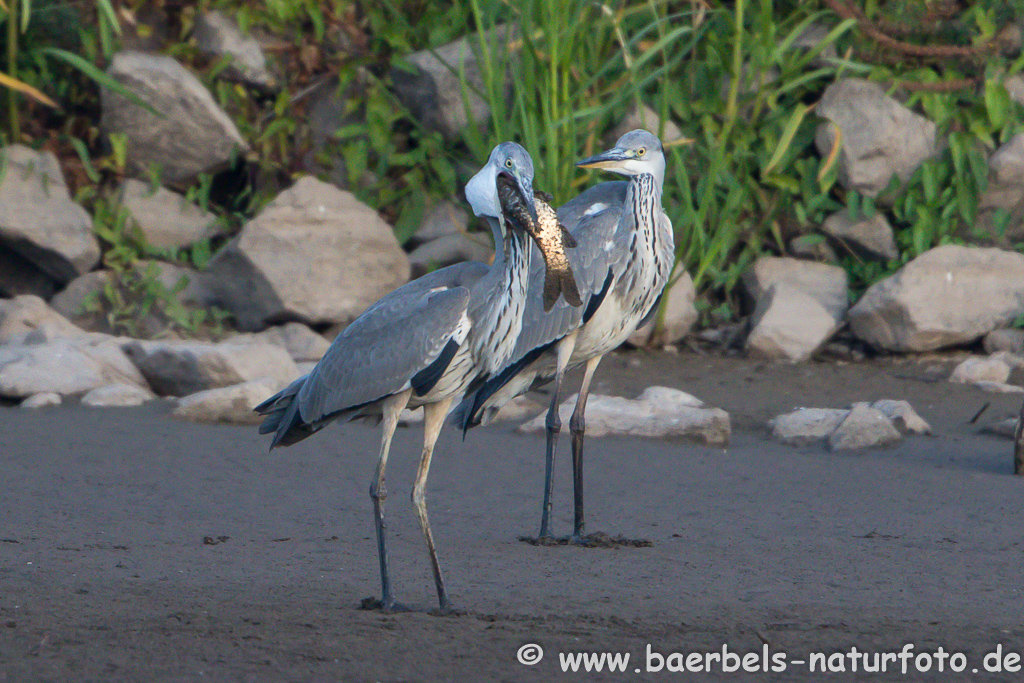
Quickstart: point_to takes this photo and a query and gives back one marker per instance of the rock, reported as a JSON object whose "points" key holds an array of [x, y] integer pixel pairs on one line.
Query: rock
{"points": [[903, 416], [1010, 340], [233, 404], [518, 409], [315, 254], [431, 85], [23, 314], [301, 343], [180, 368], [948, 295], [999, 387], [41, 400], [812, 247], [71, 301], [1005, 193], [64, 367], [442, 220], [870, 238], [18, 275], [825, 283], [166, 219], [648, 119], [218, 35], [445, 251], [864, 427], [680, 316], [789, 325], [118, 395], [880, 137], [664, 412], [980, 369], [328, 109], [148, 30], [807, 425], [193, 136], [38, 219]]}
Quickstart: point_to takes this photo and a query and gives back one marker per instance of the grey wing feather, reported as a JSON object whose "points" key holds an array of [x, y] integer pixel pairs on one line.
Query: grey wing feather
{"points": [[593, 200], [387, 345]]}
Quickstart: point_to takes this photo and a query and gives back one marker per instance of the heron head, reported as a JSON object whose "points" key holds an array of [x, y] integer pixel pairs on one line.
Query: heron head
{"points": [[636, 152], [511, 160]]}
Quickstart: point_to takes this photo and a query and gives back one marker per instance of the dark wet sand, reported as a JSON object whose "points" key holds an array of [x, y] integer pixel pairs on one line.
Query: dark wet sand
{"points": [[105, 575]]}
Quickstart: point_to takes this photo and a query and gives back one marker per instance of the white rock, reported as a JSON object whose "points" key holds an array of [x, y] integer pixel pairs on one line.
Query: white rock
{"points": [[65, 366], [315, 254], [789, 325], [180, 368], [117, 396], [41, 400], [519, 408], [190, 135], [23, 314], [1008, 339], [948, 295], [672, 415], [981, 369], [680, 316], [903, 416], [233, 404], [864, 427], [38, 219], [880, 137], [807, 425]]}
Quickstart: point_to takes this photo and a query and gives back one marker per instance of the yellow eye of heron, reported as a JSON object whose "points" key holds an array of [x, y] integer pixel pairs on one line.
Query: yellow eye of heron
{"points": [[508, 163], [642, 151]]}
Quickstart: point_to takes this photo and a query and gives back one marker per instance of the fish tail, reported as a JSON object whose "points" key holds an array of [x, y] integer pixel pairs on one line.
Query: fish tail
{"points": [[560, 281]]}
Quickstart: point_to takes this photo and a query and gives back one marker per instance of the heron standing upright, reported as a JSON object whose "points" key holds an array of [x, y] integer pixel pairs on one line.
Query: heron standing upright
{"points": [[624, 255], [424, 345]]}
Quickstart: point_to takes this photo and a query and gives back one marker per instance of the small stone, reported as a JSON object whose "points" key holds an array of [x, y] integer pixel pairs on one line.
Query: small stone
{"points": [[999, 387], [807, 425], [519, 408], [813, 248], [1006, 428], [166, 219], [41, 400], [903, 416], [218, 35], [301, 343], [864, 427], [24, 314], [981, 369], [118, 395], [870, 238]]}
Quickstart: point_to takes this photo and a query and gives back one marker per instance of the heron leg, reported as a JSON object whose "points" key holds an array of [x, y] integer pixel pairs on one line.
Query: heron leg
{"points": [[392, 408], [553, 425], [578, 427], [433, 418]]}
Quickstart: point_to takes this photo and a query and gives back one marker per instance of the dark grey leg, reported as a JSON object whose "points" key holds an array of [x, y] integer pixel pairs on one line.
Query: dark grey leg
{"points": [[578, 427]]}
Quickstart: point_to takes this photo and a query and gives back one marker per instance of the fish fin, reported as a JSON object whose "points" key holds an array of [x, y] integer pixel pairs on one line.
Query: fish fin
{"points": [[568, 241], [560, 281]]}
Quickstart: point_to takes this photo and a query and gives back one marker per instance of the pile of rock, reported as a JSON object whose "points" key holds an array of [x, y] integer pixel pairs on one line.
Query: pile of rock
{"points": [[863, 425]]}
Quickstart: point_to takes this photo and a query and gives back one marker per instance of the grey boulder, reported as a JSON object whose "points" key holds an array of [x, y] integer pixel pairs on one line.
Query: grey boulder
{"points": [[946, 296], [232, 404], [864, 427], [25, 314], [315, 254], [65, 367], [165, 218], [880, 137], [38, 219], [871, 238], [192, 136], [218, 35], [789, 324]]}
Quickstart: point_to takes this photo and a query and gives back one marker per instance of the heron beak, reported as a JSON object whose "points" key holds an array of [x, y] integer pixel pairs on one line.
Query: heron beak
{"points": [[612, 159], [525, 191]]}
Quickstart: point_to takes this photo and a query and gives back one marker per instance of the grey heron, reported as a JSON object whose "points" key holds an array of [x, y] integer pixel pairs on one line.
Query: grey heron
{"points": [[424, 344], [624, 256]]}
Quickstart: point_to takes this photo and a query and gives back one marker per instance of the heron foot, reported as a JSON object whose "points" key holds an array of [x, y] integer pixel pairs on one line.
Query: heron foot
{"points": [[387, 605], [446, 610]]}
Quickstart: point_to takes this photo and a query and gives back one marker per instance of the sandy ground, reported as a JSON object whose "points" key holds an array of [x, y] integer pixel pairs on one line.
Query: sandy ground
{"points": [[106, 576]]}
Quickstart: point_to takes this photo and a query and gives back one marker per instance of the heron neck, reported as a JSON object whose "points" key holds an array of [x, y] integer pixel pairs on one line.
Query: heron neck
{"points": [[498, 315]]}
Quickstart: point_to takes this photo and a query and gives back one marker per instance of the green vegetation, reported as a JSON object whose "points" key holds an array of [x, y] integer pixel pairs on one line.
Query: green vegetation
{"points": [[741, 79]]}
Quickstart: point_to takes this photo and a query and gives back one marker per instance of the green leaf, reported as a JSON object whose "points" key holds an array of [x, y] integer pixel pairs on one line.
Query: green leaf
{"points": [[799, 112], [83, 155]]}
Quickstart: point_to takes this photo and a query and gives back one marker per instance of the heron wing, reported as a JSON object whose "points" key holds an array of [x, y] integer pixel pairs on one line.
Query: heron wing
{"points": [[390, 343]]}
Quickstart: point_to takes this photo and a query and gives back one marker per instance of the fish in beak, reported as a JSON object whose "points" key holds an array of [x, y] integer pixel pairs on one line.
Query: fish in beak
{"points": [[540, 221]]}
